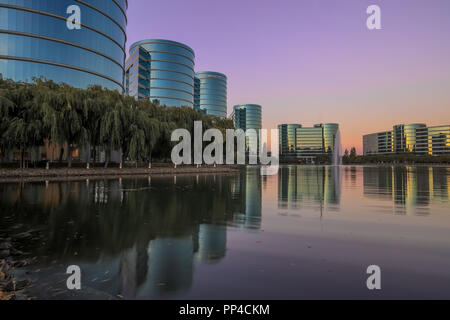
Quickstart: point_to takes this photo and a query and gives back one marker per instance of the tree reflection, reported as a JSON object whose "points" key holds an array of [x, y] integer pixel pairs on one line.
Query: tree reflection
{"points": [[146, 234]]}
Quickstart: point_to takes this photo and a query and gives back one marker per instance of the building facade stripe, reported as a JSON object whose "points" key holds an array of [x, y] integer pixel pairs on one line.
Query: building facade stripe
{"points": [[60, 65]]}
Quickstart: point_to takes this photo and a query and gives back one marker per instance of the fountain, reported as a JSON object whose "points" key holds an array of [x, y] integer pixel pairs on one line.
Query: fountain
{"points": [[337, 158]]}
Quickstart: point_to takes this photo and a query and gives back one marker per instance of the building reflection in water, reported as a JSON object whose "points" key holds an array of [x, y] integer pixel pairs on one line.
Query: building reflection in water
{"points": [[309, 187], [135, 238], [410, 188], [212, 243], [133, 271], [247, 193]]}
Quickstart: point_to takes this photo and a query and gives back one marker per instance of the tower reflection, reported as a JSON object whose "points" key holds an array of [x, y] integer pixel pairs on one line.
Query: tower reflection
{"points": [[309, 187], [247, 196], [135, 238]]}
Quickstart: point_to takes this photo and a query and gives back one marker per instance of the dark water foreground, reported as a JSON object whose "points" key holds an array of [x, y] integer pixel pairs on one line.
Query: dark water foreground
{"points": [[309, 232]]}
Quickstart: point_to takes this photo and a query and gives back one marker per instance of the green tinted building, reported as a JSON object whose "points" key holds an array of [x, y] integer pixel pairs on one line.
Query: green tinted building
{"points": [[288, 139], [298, 142]]}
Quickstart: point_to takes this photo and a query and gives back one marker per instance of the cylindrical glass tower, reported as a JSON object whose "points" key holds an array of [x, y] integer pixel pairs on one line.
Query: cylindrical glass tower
{"points": [[172, 72], [36, 42], [211, 93], [248, 116]]}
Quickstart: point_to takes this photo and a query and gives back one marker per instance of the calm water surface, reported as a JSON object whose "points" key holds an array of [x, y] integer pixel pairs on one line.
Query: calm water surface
{"points": [[309, 232]]}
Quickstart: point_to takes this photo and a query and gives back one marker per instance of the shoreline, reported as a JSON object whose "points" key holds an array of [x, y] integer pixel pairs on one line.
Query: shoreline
{"points": [[374, 164], [30, 175], [11, 258], [397, 165]]}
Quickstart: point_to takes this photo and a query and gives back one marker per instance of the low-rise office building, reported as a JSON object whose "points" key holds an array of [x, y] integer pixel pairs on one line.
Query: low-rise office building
{"points": [[414, 138], [307, 143], [378, 143]]}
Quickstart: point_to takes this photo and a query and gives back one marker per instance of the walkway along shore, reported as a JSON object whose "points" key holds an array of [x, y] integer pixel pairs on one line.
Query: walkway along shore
{"points": [[7, 175], [11, 256]]}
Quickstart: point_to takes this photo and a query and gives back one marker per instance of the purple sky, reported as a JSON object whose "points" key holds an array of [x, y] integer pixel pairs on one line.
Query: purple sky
{"points": [[313, 61]]}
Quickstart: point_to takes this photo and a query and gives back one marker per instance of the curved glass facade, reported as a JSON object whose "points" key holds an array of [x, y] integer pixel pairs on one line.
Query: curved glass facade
{"points": [[211, 93], [409, 138], [137, 73], [405, 137], [330, 131], [248, 116], [171, 72], [37, 43]]}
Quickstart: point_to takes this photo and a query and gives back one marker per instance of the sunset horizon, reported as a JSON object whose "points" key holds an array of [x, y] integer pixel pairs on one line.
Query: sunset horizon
{"points": [[309, 62]]}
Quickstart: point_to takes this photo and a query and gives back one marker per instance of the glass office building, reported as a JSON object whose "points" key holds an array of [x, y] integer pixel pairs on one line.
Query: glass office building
{"points": [[197, 95], [211, 93], [301, 142], [310, 141], [171, 72], [409, 138], [330, 131], [288, 140], [245, 117], [137, 74], [405, 137], [439, 140], [378, 143], [36, 42]]}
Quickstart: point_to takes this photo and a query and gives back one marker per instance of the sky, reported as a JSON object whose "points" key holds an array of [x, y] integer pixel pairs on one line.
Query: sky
{"points": [[315, 61]]}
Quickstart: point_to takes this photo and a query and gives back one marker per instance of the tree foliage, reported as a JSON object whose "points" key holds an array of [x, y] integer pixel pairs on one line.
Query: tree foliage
{"points": [[62, 115]]}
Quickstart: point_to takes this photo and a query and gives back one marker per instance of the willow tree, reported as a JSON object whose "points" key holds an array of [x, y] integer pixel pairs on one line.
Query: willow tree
{"points": [[111, 125], [95, 107], [151, 126], [25, 128], [6, 108], [136, 145], [134, 121], [65, 113]]}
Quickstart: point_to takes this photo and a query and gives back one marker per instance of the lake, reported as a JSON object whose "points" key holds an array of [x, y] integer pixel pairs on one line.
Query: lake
{"points": [[309, 232]]}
